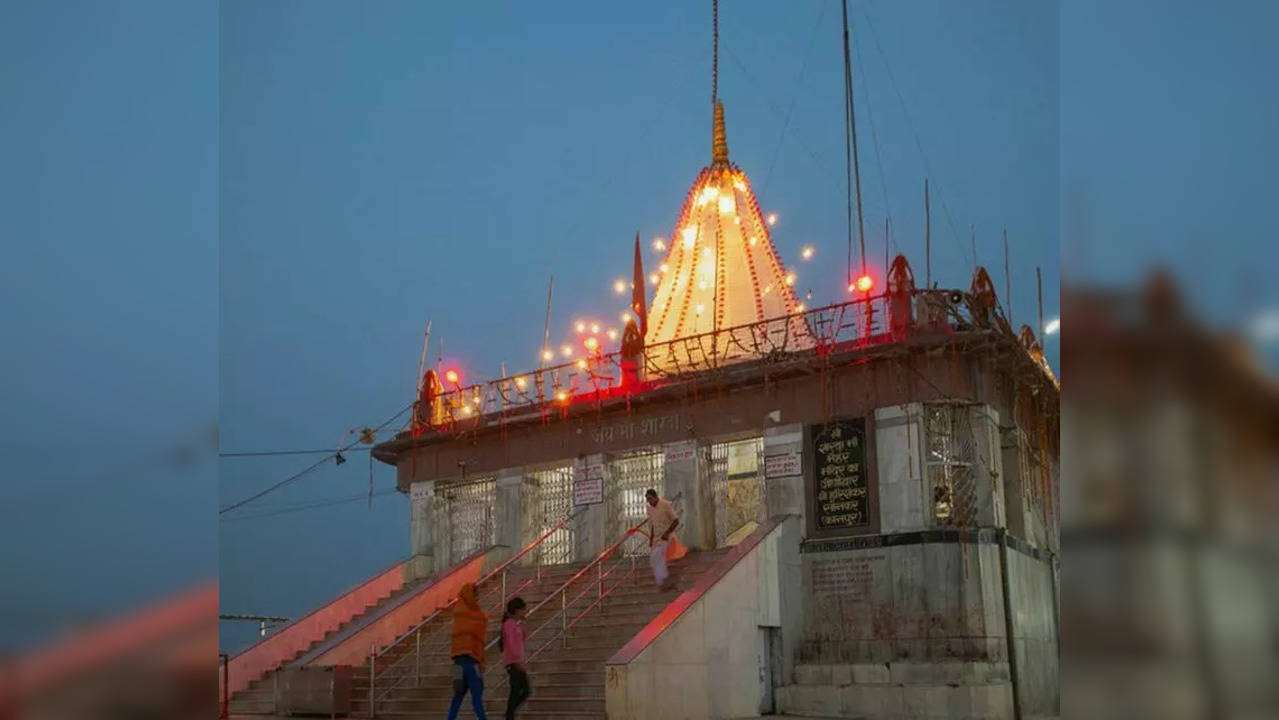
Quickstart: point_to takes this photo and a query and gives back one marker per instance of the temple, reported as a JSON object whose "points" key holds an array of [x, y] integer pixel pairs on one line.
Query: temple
{"points": [[869, 490]]}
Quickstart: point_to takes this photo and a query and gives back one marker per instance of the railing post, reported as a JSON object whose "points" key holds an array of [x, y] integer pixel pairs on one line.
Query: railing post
{"points": [[372, 677], [599, 574], [417, 659], [564, 616], [503, 590]]}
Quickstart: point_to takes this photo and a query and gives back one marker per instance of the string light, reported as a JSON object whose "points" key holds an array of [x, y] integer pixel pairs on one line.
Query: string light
{"points": [[790, 278], [451, 376], [612, 334], [466, 411], [566, 351], [700, 308], [591, 343], [654, 278], [581, 364], [799, 308], [659, 244], [662, 268], [727, 204], [863, 284], [595, 328], [772, 218], [807, 252], [690, 236], [619, 286], [548, 355], [1052, 327], [752, 241], [625, 317], [581, 326], [561, 396], [521, 383]]}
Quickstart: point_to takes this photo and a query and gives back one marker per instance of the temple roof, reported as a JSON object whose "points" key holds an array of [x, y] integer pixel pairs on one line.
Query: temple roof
{"points": [[721, 269]]}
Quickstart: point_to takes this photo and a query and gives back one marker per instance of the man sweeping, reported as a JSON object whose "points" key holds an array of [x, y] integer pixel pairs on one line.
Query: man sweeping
{"points": [[662, 522]]}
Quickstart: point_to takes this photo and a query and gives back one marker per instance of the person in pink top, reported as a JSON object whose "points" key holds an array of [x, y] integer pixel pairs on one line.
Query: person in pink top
{"points": [[512, 643]]}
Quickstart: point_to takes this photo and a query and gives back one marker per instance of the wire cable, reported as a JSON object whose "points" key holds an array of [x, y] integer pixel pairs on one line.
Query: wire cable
{"points": [[799, 82], [307, 470], [910, 123], [268, 453], [311, 506]]}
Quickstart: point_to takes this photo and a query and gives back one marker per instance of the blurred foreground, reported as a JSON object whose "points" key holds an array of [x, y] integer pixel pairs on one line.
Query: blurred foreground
{"points": [[1169, 599]]}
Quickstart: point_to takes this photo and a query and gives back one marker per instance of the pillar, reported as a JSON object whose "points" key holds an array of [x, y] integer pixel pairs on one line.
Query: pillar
{"points": [[589, 523], [421, 563], [784, 490], [690, 492], [509, 518], [989, 462], [899, 468]]}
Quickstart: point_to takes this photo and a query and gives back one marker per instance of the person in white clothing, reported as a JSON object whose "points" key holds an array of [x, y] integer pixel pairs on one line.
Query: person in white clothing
{"points": [[662, 522]]}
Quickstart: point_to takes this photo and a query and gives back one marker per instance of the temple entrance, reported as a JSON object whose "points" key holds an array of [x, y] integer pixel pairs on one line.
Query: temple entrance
{"points": [[553, 501], [737, 486], [464, 519], [629, 477]]}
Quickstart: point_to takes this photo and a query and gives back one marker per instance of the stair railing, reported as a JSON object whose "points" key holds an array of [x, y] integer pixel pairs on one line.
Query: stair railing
{"points": [[414, 634], [606, 567]]}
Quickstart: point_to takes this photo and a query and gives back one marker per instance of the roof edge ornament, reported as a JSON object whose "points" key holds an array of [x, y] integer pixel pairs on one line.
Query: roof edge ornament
{"points": [[719, 138]]}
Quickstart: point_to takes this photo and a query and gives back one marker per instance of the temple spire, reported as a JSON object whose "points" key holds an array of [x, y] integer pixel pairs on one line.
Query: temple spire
{"points": [[719, 138]]}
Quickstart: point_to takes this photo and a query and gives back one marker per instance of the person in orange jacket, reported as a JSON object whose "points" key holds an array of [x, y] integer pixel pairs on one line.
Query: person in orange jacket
{"points": [[469, 625]]}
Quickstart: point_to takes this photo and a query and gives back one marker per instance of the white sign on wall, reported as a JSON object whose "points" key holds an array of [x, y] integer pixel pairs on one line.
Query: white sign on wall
{"points": [[676, 452], [588, 484], [784, 465]]}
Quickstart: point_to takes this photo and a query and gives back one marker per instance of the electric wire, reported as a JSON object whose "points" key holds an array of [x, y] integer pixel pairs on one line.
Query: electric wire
{"points": [[310, 468], [910, 123]]}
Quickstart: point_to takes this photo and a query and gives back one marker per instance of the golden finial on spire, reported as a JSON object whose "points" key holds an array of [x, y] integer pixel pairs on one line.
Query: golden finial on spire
{"points": [[719, 138]]}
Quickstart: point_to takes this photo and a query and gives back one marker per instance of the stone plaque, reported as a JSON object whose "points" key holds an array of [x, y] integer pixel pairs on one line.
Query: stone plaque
{"points": [[839, 496]]}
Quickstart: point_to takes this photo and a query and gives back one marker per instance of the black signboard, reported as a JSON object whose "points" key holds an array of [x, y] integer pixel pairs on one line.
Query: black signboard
{"points": [[840, 496]]}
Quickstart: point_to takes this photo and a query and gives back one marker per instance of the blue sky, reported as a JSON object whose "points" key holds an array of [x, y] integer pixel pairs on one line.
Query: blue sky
{"points": [[245, 214]]}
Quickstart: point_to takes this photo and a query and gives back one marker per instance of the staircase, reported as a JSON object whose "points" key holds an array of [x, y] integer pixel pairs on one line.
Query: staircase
{"points": [[257, 698], [566, 670]]}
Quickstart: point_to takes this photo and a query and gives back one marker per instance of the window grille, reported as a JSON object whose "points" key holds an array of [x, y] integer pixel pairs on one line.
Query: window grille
{"points": [[949, 464], [464, 518], [629, 478], [554, 500], [737, 485]]}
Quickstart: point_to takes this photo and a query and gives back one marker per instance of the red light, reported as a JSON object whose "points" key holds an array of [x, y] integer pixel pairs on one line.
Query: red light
{"points": [[451, 376], [865, 283]]}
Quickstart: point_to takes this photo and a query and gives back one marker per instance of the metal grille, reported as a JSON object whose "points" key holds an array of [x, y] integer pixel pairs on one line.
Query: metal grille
{"points": [[949, 462], [737, 485], [554, 500], [464, 518], [624, 504]]}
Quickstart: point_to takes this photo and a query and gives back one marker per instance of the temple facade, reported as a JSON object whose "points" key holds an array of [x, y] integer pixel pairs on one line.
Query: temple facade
{"points": [[878, 478]]}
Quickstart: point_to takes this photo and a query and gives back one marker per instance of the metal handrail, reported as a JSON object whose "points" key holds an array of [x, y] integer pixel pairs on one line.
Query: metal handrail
{"points": [[489, 576], [416, 630], [562, 591]]}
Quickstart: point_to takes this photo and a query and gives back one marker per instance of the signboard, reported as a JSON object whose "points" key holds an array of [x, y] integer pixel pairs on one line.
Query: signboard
{"points": [[676, 452], [588, 484], [839, 497], [784, 465]]}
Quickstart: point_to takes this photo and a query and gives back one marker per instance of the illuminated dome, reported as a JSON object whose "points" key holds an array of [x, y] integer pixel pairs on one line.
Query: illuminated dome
{"points": [[721, 270]]}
